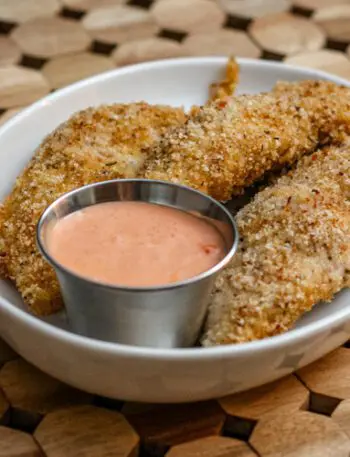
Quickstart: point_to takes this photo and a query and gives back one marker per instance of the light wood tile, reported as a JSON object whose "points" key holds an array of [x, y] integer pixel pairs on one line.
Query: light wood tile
{"points": [[9, 51], [67, 69], [86, 5], [341, 416], [252, 9], [146, 50], [287, 34], [221, 42], [318, 4], [119, 24], [20, 86], [326, 59], [188, 15], [18, 11], [335, 21], [51, 37]]}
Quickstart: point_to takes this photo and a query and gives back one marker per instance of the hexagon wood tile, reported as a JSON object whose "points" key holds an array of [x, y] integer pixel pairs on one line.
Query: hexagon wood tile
{"points": [[48, 44]]}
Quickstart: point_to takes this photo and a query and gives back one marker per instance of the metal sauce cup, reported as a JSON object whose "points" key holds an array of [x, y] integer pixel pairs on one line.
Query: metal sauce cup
{"points": [[167, 316]]}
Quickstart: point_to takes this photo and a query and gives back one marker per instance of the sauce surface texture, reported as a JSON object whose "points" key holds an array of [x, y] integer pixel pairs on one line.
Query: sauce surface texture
{"points": [[135, 244]]}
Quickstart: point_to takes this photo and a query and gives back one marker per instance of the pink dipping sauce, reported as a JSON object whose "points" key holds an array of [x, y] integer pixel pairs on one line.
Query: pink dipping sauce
{"points": [[135, 244]]}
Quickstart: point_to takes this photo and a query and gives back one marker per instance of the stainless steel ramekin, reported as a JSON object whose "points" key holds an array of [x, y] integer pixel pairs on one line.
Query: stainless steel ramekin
{"points": [[166, 316]]}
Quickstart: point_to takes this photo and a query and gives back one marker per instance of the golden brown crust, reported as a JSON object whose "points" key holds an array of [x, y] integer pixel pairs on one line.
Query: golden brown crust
{"points": [[227, 87], [227, 145], [96, 144], [294, 251], [220, 150]]}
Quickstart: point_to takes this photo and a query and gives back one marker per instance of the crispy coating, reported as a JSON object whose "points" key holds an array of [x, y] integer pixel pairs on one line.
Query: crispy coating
{"points": [[294, 252], [96, 144], [228, 144], [227, 87]]}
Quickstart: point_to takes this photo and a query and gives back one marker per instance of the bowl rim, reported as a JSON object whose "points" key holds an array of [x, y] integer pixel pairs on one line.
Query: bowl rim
{"points": [[179, 354]]}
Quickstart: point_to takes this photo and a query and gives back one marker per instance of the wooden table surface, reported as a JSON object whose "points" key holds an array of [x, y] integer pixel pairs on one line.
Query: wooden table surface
{"points": [[47, 44]]}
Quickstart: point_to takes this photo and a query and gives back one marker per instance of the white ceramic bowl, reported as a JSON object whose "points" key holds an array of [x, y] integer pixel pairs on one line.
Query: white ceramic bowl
{"points": [[155, 375]]}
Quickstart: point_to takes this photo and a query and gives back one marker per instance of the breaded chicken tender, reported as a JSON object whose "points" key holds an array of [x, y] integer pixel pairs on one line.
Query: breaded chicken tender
{"points": [[227, 145], [227, 87], [294, 252], [94, 145]]}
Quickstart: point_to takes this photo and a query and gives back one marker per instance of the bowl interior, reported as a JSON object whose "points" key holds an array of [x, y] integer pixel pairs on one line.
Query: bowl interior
{"points": [[174, 82]]}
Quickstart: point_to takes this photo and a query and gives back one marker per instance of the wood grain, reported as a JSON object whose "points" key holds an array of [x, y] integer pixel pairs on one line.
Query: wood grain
{"points": [[252, 9], [29, 389], [65, 70], [299, 434], [341, 416], [20, 86], [145, 50], [62, 36], [212, 446], [317, 4], [86, 431], [9, 51], [286, 395], [335, 21], [221, 42], [188, 16], [287, 34], [330, 375], [24, 10], [119, 24], [169, 425], [86, 5], [66, 40], [15, 443], [325, 59]]}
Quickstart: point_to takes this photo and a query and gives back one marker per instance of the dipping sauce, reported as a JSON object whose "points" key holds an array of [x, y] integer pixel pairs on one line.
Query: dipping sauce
{"points": [[135, 244]]}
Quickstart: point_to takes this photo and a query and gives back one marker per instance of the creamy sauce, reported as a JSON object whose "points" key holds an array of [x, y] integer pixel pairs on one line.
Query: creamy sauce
{"points": [[135, 244]]}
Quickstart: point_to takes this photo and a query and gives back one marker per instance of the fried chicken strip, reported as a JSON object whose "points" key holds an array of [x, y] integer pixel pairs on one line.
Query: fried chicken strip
{"points": [[227, 87], [94, 145], [229, 144], [294, 252]]}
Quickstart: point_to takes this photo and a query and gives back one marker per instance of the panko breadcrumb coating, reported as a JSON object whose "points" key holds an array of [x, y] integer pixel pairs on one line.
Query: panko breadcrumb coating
{"points": [[227, 87], [228, 144], [294, 252], [96, 144]]}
